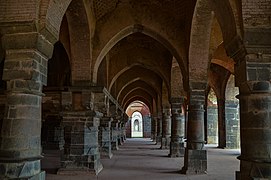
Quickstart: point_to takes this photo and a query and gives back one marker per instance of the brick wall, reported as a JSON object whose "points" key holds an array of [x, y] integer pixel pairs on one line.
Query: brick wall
{"points": [[256, 13], [17, 10]]}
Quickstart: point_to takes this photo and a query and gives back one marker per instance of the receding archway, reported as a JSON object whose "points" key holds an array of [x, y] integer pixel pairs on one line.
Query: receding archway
{"points": [[136, 125]]}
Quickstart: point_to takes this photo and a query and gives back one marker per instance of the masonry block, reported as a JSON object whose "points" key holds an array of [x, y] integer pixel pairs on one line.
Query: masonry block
{"points": [[196, 162]]}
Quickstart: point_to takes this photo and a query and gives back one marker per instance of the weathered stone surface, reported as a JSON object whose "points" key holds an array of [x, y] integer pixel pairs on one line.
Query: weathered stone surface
{"points": [[195, 162], [81, 149]]}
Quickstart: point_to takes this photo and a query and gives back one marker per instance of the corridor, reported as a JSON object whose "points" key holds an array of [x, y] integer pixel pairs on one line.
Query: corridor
{"points": [[140, 159]]}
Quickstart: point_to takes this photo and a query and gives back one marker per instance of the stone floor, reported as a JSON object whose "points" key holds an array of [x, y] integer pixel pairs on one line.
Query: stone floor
{"points": [[140, 159]]}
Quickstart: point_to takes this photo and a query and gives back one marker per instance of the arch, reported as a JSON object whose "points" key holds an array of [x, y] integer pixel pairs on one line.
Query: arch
{"points": [[137, 125], [126, 69], [199, 41], [137, 82], [225, 17], [149, 76], [139, 98], [59, 70], [220, 58], [52, 18], [137, 89], [128, 31], [135, 92]]}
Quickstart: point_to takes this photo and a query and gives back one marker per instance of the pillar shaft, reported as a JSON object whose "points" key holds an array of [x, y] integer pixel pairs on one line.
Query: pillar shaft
{"points": [[81, 127], [20, 141], [154, 129], [166, 129], [255, 110], [177, 128], [221, 123], [159, 130], [115, 134], [195, 159]]}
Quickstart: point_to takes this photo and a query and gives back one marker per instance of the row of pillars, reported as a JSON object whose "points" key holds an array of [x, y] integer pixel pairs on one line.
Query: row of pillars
{"points": [[170, 131]]}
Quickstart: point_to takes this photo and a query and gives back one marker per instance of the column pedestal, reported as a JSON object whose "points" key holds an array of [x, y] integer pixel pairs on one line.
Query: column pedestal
{"points": [[195, 162], [115, 133], [105, 130], [81, 150], [166, 129], [159, 131]]}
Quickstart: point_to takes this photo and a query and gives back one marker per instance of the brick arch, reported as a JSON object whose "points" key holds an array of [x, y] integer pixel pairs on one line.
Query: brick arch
{"points": [[144, 111], [52, 13], [199, 41], [128, 30], [138, 72], [160, 74], [201, 25], [225, 16], [135, 83], [137, 89], [221, 58], [230, 24], [139, 98], [80, 40]]}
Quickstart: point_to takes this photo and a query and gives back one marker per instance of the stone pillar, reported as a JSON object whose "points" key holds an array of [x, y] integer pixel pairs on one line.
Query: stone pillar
{"points": [[159, 130], [52, 132], [81, 149], [232, 125], [177, 128], [154, 129], [120, 142], [122, 132], [115, 133], [253, 80], [221, 122], [105, 130], [212, 125], [25, 71], [195, 159], [166, 129]]}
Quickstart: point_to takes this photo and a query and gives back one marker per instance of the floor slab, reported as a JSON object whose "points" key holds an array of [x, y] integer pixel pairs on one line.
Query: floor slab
{"points": [[140, 159]]}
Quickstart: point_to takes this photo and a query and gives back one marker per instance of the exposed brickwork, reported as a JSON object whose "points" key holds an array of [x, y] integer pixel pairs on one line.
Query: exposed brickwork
{"points": [[256, 13], [17, 10], [55, 13]]}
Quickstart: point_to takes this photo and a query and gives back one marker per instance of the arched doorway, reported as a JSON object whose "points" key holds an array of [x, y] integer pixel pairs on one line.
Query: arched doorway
{"points": [[136, 125]]}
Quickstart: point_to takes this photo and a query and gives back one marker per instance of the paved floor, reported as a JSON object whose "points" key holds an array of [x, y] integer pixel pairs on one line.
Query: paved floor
{"points": [[140, 159]]}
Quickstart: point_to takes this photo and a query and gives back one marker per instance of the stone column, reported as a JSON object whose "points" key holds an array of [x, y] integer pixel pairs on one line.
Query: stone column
{"points": [[81, 149], [232, 125], [253, 80], [122, 132], [101, 104], [166, 129], [154, 128], [159, 130], [52, 132], [120, 142], [105, 130], [115, 133], [221, 123], [195, 159], [177, 128], [212, 125], [25, 71]]}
